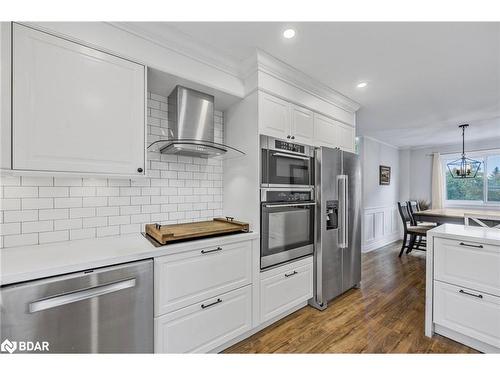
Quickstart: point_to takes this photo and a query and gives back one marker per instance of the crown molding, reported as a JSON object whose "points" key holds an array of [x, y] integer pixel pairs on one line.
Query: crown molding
{"points": [[167, 37], [264, 62], [381, 142], [176, 41]]}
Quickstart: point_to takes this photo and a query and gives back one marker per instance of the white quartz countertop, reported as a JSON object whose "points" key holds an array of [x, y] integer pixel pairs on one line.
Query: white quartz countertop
{"points": [[461, 232], [25, 263]]}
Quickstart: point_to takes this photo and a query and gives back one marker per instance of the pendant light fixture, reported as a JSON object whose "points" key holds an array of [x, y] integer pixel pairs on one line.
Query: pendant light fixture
{"points": [[464, 167]]}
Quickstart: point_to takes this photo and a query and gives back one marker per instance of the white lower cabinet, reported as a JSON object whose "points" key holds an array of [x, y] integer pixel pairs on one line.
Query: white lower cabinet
{"points": [[285, 287], [467, 263], [185, 278], [204, 326], [468, 312]]}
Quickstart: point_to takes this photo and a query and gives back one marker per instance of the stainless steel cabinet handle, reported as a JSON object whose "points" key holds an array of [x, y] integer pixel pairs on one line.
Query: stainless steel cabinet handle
{"points": [[469, 245], [80, 295], [211, 251], [203, 306], [291, 156], [290, 205], [470, 294], [291, 274]]}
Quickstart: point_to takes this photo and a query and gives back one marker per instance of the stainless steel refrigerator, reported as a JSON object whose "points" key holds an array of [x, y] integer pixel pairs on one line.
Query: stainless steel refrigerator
{"points": [[337, 257]]}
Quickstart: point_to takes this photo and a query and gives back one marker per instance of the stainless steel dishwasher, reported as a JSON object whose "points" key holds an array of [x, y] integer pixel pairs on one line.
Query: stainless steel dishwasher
{"points": [[102, 310]]}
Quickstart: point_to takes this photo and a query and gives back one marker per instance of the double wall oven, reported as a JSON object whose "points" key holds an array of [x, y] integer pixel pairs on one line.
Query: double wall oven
{"points": [[287, 201]]}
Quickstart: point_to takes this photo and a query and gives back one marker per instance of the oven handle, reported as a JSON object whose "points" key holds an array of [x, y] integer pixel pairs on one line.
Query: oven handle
{"points": [[290, 205], [291, 156]]}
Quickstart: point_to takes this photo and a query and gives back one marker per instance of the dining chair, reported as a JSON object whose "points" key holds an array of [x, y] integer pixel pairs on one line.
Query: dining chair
{"points": [[414, 232]]}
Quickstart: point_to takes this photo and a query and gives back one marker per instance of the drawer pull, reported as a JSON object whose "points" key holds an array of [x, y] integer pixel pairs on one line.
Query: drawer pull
{"points": [[470, 294], [211, 251], [203, 306], [291, 274], [467, 244]]}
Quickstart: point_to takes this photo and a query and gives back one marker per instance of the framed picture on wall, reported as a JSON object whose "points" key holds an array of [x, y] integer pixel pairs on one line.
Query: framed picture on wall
{"points": [[384, 175]]}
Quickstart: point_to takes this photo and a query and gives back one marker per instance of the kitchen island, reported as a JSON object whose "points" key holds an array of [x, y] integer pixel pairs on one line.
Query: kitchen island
{"points": [[463, 285]]}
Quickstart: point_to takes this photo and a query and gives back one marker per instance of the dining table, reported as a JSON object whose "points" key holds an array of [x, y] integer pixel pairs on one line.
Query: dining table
{"points": [[456, 215]]}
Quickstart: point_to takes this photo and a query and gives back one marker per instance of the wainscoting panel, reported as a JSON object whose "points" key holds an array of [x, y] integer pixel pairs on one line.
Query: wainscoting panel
{"points": [[381, 226]]}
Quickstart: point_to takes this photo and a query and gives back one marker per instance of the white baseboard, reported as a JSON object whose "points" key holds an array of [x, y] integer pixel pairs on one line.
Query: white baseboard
{"points": [[380, 243]]}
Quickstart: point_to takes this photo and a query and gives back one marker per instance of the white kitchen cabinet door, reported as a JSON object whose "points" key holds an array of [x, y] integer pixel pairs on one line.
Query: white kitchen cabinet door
{"points": [[204, 326], [185, 278], [302, 125], [346, 137], [469, 264], [285, 287], [274, 116], [467, 311], [325, 131], [75, 109]]}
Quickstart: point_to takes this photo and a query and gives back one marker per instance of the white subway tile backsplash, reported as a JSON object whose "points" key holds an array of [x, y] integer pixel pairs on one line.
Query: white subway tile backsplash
{"points": [[10, 228], [108, 231], [91, 222], [67, 181], [53, 192], [10, 180], [95, 201], [176, 189], [67, 224], [10, 204], [20, 240], [37, 181], [37, 226], [67, 202], [54, 214], [20, 191], [57, 236], [36, 203], [108, 211], [82, 191], [20, 216], [80, 234], [75, 213]]}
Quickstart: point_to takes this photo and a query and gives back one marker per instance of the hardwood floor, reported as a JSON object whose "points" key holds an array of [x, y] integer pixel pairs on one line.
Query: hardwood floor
{"points": [[386, 315]]}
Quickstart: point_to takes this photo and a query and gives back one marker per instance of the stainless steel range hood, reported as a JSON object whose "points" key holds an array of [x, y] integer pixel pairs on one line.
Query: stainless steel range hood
{"points": [[191, 121]]}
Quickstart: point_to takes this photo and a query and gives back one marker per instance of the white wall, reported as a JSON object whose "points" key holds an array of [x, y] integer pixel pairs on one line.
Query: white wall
{"points": [[416, 166], [380, 218]]}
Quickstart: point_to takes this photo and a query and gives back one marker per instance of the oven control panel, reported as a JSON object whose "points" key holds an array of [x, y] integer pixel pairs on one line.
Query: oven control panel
{"points": [[282, 145], [288, 196]]}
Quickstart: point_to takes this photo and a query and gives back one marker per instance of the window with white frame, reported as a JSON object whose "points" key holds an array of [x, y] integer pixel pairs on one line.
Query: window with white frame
{"points": [[484, 189]]}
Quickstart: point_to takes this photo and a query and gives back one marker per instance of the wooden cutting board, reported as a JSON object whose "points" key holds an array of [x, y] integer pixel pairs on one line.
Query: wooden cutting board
{"points": [[174, 232]]}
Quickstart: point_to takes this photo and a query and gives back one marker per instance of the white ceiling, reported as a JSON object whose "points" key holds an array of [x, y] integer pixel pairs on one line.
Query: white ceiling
{"points": [[424, 79]]}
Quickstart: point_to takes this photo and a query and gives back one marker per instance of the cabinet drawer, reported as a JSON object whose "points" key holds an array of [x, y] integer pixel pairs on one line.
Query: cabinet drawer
{"points": [[468, 312], [204, 326], [187, 278], [285, 287], [466, 263]]}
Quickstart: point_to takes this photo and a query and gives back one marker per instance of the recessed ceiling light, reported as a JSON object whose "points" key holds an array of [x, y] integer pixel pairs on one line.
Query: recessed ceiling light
{"points": [[361, 85], [289, 33]]}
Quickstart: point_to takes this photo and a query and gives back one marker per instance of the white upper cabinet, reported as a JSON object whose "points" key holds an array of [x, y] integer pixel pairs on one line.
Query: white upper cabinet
{"points": [[332, 133], [274, 116], [281, 119], [325, 131], [75, 109], [302, 124], [346, 137]]}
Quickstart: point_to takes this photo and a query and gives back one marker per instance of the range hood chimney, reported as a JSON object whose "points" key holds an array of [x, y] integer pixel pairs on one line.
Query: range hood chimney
{"points": [[191, 121]]}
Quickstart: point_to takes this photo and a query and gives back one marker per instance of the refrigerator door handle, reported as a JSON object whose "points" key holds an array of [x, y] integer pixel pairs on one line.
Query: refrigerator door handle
{"points": [[343, 182]]}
